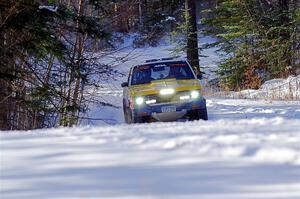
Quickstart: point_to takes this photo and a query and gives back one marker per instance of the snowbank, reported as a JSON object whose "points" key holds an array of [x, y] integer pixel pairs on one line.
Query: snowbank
{"points": [[282, 88], [276, 89]]}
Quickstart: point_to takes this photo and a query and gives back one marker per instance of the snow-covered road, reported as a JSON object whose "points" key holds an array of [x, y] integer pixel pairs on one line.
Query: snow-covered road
{"points": [[249, 149]]}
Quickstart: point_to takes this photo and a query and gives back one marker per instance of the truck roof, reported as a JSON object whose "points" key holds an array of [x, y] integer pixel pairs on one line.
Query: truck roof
{"points": [[165, 59], [162, 60]]}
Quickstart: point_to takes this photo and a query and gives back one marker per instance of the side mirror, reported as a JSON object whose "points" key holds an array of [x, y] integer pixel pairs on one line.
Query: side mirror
{"points": [[199, 76], [124, 84]]}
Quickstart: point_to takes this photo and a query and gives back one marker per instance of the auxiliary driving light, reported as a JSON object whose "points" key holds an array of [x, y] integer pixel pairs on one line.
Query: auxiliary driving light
{"points": [[153, 101], [167, 91], [139, 100], [195, 94], [185, 97]]}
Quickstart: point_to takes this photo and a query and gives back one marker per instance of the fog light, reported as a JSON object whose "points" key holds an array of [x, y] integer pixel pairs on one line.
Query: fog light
{"points": [[139, 100], [195, 94], [153, 101], [185, 97], [167, 91]]}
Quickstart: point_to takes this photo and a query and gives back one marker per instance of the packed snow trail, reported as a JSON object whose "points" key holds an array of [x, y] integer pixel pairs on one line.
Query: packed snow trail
{"points": [[224, 158], [218, 108]]}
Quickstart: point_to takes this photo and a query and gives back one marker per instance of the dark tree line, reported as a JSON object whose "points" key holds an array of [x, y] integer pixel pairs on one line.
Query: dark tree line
{"points": [[49, 53], [45, 61]]}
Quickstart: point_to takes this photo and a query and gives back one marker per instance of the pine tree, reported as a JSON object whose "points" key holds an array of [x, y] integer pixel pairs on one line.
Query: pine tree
{"points": [[27, 33], [261, 39], [156, 19]]}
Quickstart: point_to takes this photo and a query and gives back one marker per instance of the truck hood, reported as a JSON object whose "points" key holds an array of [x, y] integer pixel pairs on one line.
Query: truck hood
{"points": [[155, 86]]}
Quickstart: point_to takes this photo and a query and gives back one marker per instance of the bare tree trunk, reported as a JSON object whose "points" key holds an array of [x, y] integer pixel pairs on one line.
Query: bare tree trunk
{"points": [[78, 49], [49, 69], [192, 36], [140, 12]]}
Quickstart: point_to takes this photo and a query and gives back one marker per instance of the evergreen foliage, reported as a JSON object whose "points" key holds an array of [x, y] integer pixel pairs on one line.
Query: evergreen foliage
{"points": [[44, 66], [48, 53], [27, 35], [157, 18], [261, 40]]}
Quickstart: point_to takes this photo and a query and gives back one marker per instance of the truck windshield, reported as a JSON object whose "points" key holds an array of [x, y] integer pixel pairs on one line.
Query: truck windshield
{"points": [[144, 74]]}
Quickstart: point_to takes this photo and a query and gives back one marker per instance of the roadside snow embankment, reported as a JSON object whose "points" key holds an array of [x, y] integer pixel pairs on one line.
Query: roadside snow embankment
{"points": [[276, 89], [228, 159]]}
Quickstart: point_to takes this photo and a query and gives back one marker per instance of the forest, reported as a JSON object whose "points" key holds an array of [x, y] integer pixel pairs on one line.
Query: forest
{"points": [[50, 50]]}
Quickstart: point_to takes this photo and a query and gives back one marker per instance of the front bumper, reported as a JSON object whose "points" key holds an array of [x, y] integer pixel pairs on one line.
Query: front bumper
{"points": [[155, 110]]}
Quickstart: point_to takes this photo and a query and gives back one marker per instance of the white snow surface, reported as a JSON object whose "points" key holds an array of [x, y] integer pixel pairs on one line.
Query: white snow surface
{"points": [[249, 149]]}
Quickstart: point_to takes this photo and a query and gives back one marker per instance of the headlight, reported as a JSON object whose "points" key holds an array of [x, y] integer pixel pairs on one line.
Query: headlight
{"points": [[185, 97], [167, 91], [195, 94], [139, 100], [153, 101]]}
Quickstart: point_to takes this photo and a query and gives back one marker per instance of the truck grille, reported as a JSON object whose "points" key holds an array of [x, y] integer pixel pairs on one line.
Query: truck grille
{"points": [[167, 98]]}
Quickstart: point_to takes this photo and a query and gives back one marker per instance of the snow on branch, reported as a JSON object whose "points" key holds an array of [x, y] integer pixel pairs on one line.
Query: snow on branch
{"points": [[49, 8]]}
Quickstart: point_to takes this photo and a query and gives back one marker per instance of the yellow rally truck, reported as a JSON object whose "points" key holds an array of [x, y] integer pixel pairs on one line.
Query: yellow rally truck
{"points": [[163, 90]]}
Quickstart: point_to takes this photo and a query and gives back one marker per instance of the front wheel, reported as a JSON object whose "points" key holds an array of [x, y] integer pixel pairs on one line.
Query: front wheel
{"points": [[130, 119], [203, 114], [126, 112], [200, 114]]}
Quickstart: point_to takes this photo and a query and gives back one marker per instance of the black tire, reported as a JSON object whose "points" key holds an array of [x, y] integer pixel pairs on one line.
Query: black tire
{"points": [[130, 119], [194, 115], [126, 112], [200, 114], [136, 120], [203, 114]]}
